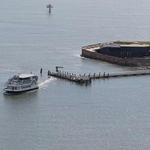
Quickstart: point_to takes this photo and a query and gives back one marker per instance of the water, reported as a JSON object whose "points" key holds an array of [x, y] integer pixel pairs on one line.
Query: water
{"points": [[108, 115]]}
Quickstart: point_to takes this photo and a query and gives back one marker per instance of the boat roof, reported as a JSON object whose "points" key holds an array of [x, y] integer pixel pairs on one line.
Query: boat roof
{"points": [[23, 76]]}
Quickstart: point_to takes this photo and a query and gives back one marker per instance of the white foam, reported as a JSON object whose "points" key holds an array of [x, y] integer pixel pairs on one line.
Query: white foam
{"points": [[44, 84]]}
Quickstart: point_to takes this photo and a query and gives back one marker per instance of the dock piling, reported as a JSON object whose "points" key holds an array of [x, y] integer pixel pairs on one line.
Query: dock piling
{"points": [[49, 6]]}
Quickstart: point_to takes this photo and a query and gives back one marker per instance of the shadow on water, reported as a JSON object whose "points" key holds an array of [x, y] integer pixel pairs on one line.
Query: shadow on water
{"points": [[79, 85], [27, 96]]}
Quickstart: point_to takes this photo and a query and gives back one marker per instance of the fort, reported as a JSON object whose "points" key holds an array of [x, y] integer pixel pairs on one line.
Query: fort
{"points": [[134, 53]]}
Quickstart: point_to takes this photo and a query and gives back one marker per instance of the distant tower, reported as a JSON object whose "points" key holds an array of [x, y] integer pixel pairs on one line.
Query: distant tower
{"points": [[49, 6]]}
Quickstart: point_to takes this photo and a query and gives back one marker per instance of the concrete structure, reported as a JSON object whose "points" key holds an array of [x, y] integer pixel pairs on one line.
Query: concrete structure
{"points": [[129, 54]]}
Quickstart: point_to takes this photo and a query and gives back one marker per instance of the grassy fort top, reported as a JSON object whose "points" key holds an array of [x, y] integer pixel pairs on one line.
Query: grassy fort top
{"points": [[133, 42]]}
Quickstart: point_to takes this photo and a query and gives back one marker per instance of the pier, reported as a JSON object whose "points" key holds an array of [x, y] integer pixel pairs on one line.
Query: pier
{"points": [[87, 78], [81, 79], [118, 75]]}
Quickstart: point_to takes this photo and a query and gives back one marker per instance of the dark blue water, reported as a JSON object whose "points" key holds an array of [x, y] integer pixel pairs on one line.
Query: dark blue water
{"points": [[108, 115]]}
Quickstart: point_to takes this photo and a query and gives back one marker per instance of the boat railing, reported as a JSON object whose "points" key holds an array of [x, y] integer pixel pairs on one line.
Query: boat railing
{"points": [[18, 87], [12, 85], [18, 83]]}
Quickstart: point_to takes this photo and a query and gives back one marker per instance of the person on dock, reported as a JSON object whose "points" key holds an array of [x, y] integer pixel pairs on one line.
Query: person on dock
{"points": [[48, 74]]}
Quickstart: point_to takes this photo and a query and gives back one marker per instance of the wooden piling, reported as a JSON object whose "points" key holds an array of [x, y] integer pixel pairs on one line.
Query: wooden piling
{"points": [[49, 6]]}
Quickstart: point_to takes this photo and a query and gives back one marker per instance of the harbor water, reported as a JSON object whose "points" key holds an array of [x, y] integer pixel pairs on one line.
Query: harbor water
{"points": [[110, 114]]}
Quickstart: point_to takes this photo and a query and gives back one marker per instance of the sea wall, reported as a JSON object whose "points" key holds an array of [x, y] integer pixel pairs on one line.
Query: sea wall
{"points": [[90, 52]]}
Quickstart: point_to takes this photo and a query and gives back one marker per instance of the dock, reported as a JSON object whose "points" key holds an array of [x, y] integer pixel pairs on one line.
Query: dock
{"points": [[78, 78], [87, 78], [119, 75]]}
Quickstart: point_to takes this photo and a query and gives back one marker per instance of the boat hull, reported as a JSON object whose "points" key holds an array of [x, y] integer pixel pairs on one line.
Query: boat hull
{"points": [[20, 91]]}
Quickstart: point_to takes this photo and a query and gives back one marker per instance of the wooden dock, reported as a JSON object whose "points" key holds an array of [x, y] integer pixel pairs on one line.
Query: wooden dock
{"points": [[81, 79], [118, 75], [87, 78]]}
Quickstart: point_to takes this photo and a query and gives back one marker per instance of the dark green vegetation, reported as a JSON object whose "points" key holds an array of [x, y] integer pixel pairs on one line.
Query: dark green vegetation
{"points": [[132, 42]]}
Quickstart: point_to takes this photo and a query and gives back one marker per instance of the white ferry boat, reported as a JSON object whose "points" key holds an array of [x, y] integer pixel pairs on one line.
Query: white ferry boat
{"points": [[21, 83]]}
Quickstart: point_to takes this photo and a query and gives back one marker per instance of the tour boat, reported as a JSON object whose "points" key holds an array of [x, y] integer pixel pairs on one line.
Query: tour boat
{"points": [[21, 83]]}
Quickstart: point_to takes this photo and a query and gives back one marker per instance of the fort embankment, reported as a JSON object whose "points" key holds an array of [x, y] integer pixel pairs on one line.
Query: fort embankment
{"points": [[123, 57]]}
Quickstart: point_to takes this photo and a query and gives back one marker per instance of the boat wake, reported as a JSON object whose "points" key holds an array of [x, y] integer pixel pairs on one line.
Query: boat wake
{"points": [[44, 84]]}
